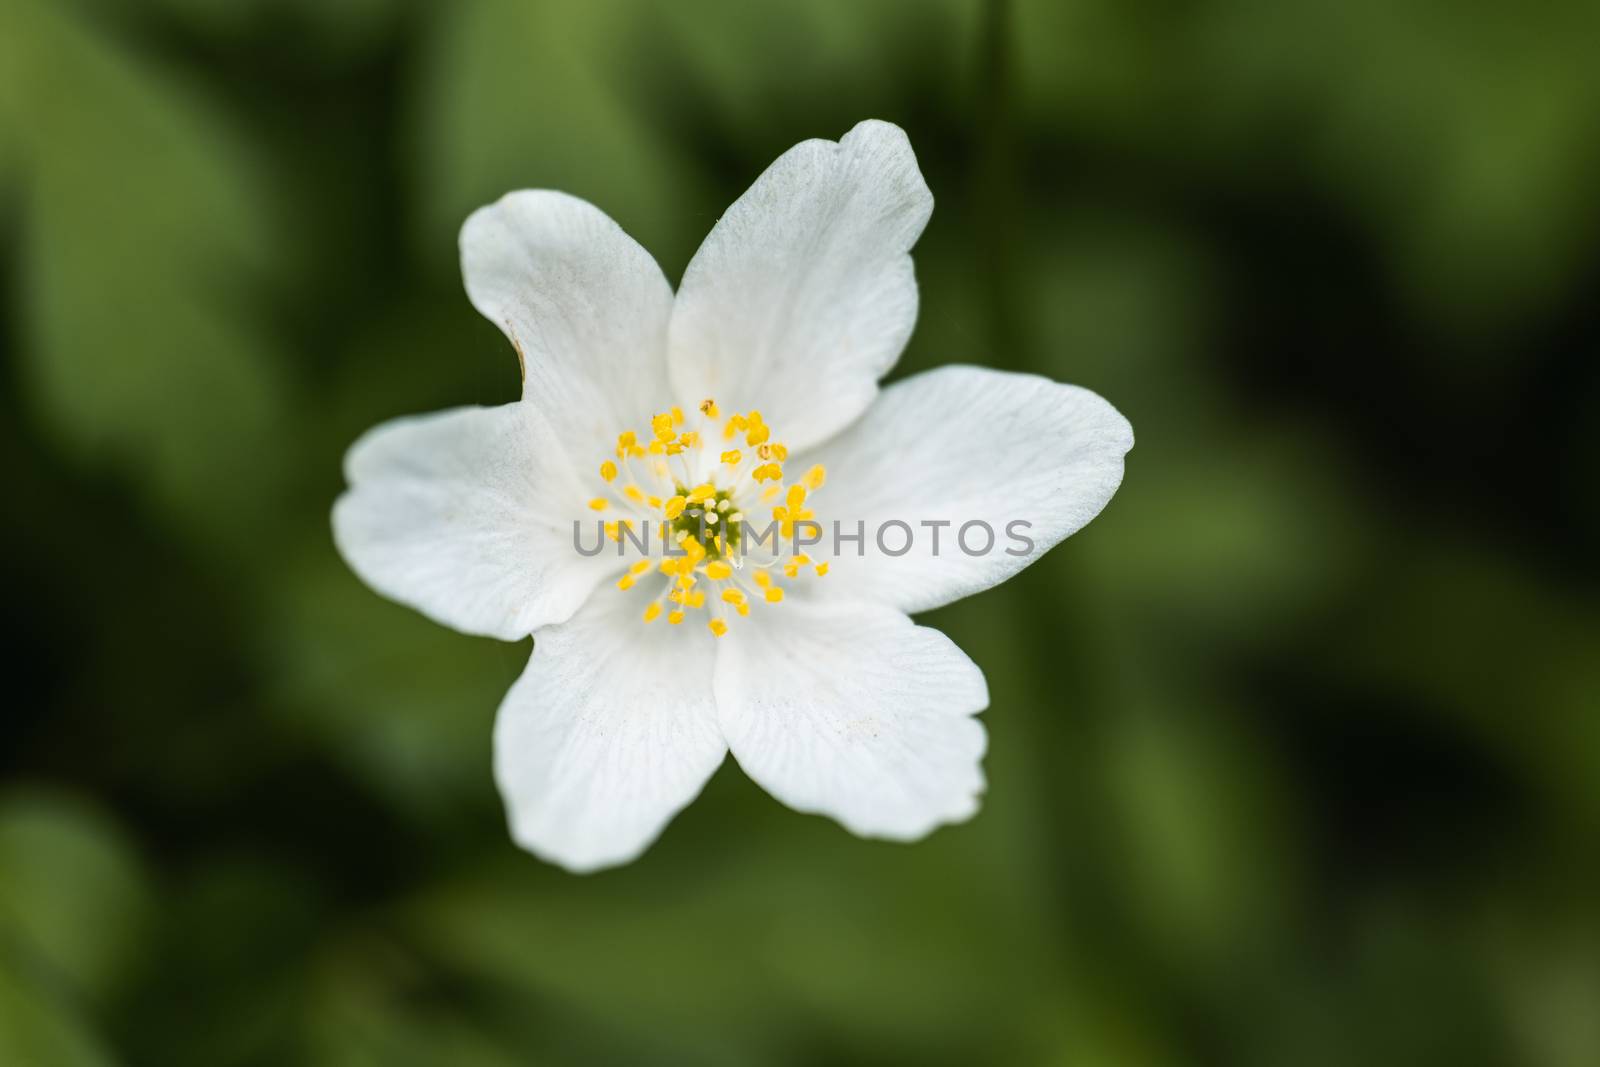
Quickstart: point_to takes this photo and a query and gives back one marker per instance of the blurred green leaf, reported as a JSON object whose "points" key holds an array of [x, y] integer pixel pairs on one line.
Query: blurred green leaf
{"points": [[72, 906], [36, 1031], [72, 894], [146, 241]]}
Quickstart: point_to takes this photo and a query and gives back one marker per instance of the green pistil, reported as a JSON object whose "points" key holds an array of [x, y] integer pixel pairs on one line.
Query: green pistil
{"points": [[692, 522]]}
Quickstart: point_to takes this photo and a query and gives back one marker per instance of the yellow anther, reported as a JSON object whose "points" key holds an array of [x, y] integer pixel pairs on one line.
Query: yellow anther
{"points": [[627, 441], [757, 434], [774, 594], [743, 610], [822, 568], [633, 493], [677, 414], [635, 452], [675, 506], [657, 448], [732, 456], [696, 599], [625, 582], [763, 579], [675, 617], [608, 470], [767, 471], [685, 579], [718, 627], [674, 449], [796, 496], [661, 426], [708, 408], [718, 570], [702, 492], [770, 491], [734, 596], [653, 612], [779, 452], [735, 424], [598, 503], [653, 501], [689, 439], [640, 567], [815, 477]]}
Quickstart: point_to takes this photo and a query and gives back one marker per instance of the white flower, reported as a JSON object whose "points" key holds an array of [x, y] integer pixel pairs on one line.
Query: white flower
{"points": [[754, 390]]}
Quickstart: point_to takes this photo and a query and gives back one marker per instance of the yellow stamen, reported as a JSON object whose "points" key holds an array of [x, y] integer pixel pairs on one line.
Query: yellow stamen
{"points": [[706, 551]]}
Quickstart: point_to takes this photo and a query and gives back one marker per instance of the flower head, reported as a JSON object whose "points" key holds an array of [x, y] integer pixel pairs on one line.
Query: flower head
{"points": [[739, 464]]}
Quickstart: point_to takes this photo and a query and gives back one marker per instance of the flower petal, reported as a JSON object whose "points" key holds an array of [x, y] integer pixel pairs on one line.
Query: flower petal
{"points": [[585, 306], [856, 712], [965, 445], [803, 295], [608, 734], [465, 515]]}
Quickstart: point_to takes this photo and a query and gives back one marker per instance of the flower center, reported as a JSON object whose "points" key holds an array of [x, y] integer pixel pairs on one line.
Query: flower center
{"points": [[695, 503]]}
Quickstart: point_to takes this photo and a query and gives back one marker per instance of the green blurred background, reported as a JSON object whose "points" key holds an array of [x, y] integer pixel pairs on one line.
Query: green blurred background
{"points": [[1295, 751]]}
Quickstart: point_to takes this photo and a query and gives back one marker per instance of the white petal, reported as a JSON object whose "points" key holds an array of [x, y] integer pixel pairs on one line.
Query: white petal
{"points": [[803, 295], [856, 712], [964, 445], [608, 734], [585, 306], [466, 515]]}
